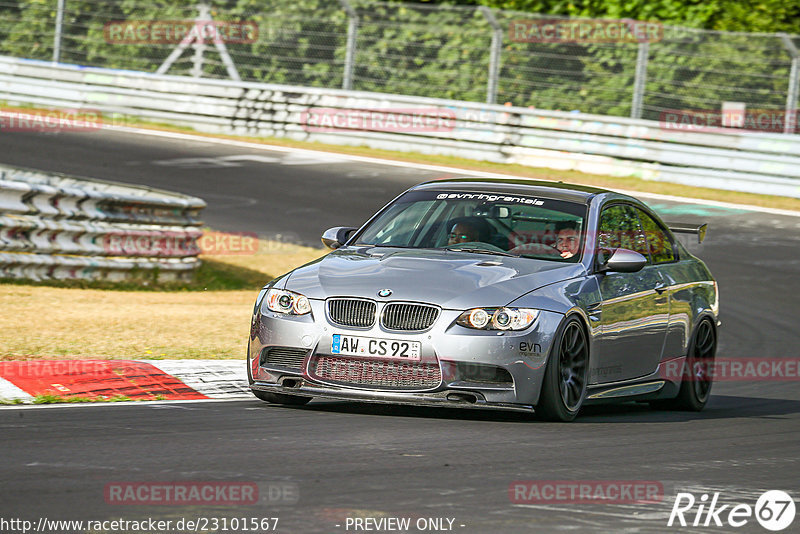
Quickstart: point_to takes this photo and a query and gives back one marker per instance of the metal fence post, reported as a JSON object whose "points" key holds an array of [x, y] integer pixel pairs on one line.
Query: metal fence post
{"points": [[198, 58], [642, 57], [494, 55], [57, 35], [790, 119], [350, 53]]}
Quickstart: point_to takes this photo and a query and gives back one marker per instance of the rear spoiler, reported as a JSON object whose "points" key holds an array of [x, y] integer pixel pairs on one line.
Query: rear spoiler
{"points": [[683, 228]]}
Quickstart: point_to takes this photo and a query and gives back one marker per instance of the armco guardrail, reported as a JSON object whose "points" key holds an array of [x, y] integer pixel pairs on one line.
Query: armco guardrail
{"points": [[54, 226], [767, 163]]}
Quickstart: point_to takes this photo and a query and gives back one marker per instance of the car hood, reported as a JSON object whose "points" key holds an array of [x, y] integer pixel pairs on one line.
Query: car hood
{"points": [[453, 280]]}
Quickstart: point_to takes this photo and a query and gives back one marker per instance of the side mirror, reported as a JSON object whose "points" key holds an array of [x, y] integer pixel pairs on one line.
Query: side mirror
{"points": [[623, 260], [337, 236]]}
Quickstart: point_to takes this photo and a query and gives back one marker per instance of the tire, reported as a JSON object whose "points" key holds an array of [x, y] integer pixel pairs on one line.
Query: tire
{"points": [[696, 381], [565, 378], [280, 398]]}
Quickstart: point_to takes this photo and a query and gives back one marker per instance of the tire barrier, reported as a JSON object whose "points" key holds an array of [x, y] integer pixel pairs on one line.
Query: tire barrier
{"points": [[54, 226], [722, 158]]}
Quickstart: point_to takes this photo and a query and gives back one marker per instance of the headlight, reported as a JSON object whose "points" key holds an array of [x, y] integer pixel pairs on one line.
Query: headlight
{"points": [[287, 302], [498, 318]]}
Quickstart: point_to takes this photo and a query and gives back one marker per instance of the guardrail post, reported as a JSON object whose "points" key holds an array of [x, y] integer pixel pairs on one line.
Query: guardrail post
{"points": [[790, 119], [350, 53], [642, 57], [494, 55], [58, 31]]}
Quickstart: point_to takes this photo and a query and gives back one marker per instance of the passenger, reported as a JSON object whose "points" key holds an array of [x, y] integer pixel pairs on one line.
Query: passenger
{"points": [[468, 229]]}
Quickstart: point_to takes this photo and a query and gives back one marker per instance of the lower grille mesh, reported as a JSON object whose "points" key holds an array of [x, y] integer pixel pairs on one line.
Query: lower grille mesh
{"points": [[283, 357], [377, 373]]}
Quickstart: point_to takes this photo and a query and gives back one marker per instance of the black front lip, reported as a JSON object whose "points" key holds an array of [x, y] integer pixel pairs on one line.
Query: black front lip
{"points": [[309, 388]]}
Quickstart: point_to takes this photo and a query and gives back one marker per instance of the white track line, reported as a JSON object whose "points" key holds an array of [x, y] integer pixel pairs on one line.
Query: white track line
{"points": [[423, 166], [150, 403]]}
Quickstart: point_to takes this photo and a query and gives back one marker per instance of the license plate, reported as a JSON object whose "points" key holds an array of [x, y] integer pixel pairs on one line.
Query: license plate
{"points": [[381, 348]]}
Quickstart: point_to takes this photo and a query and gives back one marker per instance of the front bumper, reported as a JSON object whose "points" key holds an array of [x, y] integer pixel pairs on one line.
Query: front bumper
{"points": [[523, 355]]}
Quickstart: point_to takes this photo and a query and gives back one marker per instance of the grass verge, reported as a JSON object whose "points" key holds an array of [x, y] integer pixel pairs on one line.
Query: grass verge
{"points": [[208, 318], [216, 273], [56, 399]]}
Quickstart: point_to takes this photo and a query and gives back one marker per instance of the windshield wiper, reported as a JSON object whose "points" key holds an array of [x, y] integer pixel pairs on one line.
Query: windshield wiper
{"points": [[482, 251], [379, 246]]}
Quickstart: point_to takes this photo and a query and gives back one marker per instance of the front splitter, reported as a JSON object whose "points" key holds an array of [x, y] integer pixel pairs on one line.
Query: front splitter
{"points": [[436, 399]]}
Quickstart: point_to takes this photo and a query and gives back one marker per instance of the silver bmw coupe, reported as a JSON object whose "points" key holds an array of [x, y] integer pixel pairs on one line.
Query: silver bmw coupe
{"points": [[494, 293]]}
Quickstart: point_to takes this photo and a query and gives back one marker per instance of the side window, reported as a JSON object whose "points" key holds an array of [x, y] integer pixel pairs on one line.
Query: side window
{"points": [[404, 221], [620, 228], [661, 248]]}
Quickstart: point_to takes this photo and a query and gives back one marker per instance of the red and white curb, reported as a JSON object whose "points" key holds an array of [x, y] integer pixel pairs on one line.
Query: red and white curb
{"points": [[135, 379]]}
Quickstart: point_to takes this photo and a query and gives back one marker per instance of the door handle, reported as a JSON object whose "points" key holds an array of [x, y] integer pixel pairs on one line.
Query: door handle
{"points": [[661, 287]]}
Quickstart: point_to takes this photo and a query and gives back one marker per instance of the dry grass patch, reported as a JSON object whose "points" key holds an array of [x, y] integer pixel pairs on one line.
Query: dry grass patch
{"points": [[52, 322], [46, 322], [272, 258]]}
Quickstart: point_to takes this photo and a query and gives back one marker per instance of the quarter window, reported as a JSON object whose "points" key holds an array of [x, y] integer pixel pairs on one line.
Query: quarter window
{"points": [[620, 228], [659, 243]]}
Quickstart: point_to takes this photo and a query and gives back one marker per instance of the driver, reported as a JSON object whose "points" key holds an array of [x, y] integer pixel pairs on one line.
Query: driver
{"points": [[468, 229], [567, 239]]}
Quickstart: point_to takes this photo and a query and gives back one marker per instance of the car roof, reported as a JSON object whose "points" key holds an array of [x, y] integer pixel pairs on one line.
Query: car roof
{"points": [[553, 190]]}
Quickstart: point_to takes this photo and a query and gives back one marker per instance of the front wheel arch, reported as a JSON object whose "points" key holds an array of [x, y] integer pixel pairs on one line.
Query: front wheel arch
{"points": [[557, 398]]}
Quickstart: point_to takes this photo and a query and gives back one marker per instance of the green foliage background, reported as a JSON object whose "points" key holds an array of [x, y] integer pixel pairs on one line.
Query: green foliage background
{"points": [[729, 15], [442, 49]]}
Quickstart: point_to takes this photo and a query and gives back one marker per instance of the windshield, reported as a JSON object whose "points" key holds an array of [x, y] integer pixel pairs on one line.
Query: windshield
{"points": [[488, 223]]}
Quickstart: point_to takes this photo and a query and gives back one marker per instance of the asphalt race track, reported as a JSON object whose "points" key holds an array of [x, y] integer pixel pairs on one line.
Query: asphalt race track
{"points": [[349, 460]]}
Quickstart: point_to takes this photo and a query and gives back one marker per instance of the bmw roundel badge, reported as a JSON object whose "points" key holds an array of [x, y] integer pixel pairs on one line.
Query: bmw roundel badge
{"points": [[384, 292]]}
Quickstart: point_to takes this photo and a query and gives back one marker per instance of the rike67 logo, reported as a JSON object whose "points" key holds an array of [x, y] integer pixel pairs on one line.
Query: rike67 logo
{"points": [[774, 510]]}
